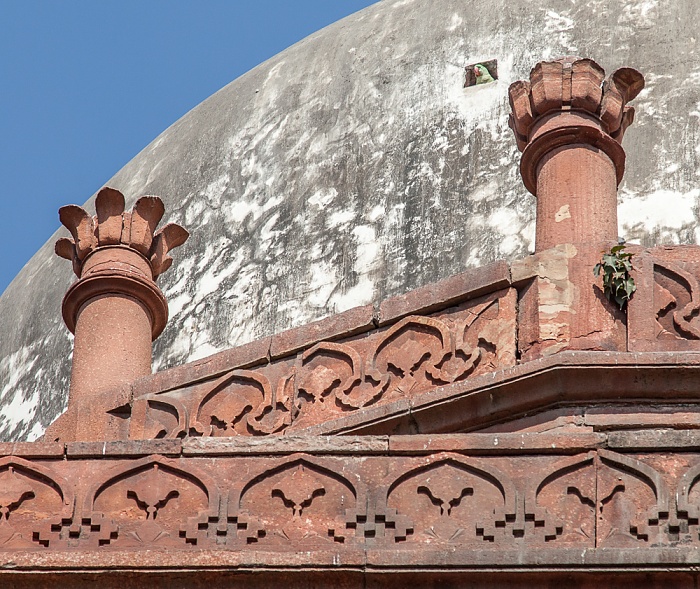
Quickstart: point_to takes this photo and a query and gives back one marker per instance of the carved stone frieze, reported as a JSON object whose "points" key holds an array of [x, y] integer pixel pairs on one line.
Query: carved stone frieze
{"points": [[406, 502], [562, 505], [451, 500], [633, 502], [331, 379], [664, 313], [300, 502], [152, 502]]}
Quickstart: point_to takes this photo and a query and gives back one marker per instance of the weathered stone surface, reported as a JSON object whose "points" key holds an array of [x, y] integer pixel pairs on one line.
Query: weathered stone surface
{"points": [[536, 443], [663, 312], [32, 449], [392, 414], [285, 445], [642, 416], [114, 308], [368, 578], [422, 188], [445, 293], [342, 325], [123, 448], [423, 507], [562, 305], [564, 379], [682, 440], [251, 354]]}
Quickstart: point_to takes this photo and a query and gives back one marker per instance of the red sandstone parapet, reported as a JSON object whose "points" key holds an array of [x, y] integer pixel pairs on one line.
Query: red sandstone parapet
{"points": [[115, 308], [406, 504]]}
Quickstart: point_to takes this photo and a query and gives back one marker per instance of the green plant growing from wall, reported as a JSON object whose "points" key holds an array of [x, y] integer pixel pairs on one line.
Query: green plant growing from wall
{"points": [[616, 266]]}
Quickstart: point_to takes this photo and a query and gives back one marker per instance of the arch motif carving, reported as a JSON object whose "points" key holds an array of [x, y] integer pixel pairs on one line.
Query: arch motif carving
{"points": [[451, 499], [562, 504], [299, 501], [677, 298], [242, 402], [36, 506], [685, 527], [633, 502], [152, 501]]}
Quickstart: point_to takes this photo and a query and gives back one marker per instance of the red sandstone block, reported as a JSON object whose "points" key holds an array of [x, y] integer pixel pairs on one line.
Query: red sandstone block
{"points": [[516, 443], [285, 445], [298, 557], [432, 297], [151, 562], [125, 448], [346, 324], [654, 439], [250, 354], [32, 449], [605, 419]]}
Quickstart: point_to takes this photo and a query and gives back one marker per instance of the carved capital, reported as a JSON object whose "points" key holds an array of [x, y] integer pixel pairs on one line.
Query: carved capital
{"points": [[567, 102], [118, 252]]}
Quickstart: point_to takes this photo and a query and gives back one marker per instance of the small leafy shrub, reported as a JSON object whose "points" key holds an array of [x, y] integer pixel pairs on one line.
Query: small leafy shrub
{"points": [[616, 266]]}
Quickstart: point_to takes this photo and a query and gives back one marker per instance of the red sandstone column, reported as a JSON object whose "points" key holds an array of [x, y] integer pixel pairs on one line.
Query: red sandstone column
{"points": [[115, 308], [569, 124]]}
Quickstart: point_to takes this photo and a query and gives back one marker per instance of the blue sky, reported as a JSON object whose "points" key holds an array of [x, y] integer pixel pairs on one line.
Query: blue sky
{"points": [[86, 84]]}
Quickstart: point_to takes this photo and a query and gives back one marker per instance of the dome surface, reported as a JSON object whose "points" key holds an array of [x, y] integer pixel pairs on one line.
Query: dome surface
{"points": [[355, 165]]}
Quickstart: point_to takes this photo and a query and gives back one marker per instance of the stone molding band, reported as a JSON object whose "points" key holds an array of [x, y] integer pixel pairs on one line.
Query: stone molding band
{"points": [[140, 289], [568, 136]]}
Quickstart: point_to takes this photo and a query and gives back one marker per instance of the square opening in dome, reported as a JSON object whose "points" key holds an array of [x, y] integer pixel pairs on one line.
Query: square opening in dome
{"points": [[470, 77]]}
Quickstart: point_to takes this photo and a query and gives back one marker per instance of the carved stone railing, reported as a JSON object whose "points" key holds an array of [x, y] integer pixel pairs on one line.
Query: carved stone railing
{"points": [[664, 313], [332, 379], [467, 366]]}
